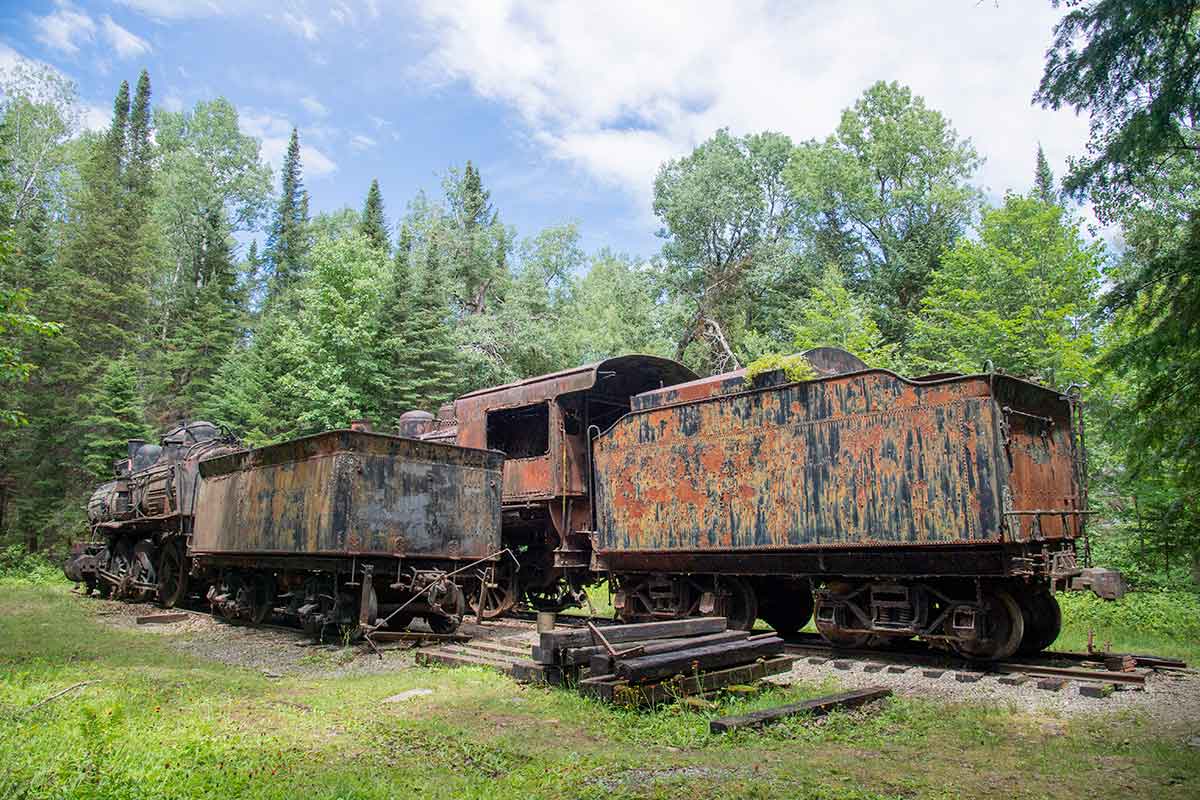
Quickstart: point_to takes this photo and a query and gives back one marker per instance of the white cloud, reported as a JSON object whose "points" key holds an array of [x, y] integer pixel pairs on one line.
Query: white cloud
{"points": [[65, 29], [302, 24], [96, 117], [127, 44], [187, 9], [617, 89], [314, 106], [316, 163], [343, 14], [361, 142], [274, 132]]}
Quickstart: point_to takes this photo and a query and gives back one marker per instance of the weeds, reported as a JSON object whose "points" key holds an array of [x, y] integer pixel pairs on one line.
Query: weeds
{"points": [[18, 566], [161, 724]]}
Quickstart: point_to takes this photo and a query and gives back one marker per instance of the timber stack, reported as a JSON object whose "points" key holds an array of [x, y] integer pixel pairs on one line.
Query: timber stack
{"points": [[655, 662]]}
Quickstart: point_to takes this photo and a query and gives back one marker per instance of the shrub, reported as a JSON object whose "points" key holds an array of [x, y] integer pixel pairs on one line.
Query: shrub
{"points": [[18, 566], [795, 367], [1174, 615]]}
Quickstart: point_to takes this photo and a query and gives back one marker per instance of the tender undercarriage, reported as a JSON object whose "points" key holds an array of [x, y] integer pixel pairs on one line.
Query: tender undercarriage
{"points": [[985, 619]]}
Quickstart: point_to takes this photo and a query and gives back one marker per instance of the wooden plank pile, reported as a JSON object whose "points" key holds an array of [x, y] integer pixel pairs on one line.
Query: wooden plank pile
{"points": [[655, 662]]}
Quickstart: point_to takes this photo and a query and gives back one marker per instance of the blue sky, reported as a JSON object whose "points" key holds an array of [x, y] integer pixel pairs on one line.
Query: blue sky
{"points": [[567, 108]]}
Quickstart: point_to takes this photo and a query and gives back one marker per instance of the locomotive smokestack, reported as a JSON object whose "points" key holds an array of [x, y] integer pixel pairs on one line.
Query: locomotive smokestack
{"points": [[133, 446]]}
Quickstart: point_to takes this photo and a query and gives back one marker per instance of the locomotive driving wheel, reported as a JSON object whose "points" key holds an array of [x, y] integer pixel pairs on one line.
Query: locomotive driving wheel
{"points": [[172, 574], [556, 597], [498, 592]]}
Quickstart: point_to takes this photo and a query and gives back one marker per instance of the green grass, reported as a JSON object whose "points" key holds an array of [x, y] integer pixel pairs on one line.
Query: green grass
{"points": [[1156, 623], [158, 723]]}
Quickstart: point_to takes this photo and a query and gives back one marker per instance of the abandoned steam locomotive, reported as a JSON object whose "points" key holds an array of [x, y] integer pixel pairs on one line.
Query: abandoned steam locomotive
{"points": [[945, 507], [343, 528]]}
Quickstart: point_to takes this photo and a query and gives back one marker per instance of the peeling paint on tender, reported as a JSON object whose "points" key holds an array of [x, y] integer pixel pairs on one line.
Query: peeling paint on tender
{"points": [[347, 492], [866, 459]]}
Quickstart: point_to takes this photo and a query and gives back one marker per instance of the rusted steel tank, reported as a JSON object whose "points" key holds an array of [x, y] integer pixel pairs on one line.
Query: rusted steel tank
{"points": [[930, 507], [289, 527]]}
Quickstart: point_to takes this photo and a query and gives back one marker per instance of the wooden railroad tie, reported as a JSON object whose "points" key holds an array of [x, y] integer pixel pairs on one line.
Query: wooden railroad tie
{"points": [[817, 707], [162, 619]]}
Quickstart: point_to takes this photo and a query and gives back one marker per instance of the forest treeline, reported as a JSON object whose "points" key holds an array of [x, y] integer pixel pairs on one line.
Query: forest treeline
{"points": [[129, 299]]}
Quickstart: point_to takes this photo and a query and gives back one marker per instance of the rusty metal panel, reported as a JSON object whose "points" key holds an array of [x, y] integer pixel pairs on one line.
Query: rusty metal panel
{"points": [[862, 460], [528, 479], [1036, 426], [350, 492]]}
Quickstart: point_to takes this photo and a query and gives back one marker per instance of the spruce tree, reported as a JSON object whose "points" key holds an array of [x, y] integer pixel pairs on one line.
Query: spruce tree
{"points": [[138, 169], [118, 131], [99, 292], [287, 244], [476, 208], [1043, 179], [374, 224], [431, 374], [394, 313], [208, 330], [115, 416]]}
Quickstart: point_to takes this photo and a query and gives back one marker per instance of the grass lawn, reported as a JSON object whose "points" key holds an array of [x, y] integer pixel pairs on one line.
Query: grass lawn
{"points": [[161, 724]]}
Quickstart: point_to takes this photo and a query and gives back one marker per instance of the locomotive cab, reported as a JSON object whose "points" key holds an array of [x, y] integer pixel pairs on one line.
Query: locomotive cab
{"points": [[541, 425]]}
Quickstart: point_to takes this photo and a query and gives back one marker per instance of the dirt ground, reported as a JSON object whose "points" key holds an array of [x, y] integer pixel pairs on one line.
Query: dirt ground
{"points": [[1170, 698]]}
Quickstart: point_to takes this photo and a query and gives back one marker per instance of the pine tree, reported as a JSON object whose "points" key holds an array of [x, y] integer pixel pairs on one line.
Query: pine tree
{"points": [[394, 313], [118, 131], [138, 169], [431, 373], [287, 244], [209, 328], [115, 416], [476, 208], [374, 224], [1043, 179]]}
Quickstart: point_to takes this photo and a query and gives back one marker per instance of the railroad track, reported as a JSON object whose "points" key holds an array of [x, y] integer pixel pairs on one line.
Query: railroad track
{"points": [[1087, 667]]}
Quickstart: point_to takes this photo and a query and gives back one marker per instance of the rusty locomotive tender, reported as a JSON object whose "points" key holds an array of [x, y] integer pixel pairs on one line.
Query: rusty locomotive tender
{"points": [[945, 507]]}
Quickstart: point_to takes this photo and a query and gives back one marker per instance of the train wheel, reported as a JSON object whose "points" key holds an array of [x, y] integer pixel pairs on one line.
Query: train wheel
{"points": [[1006, 626], [497, 593], [1042, 618], [454, 607], [834, 633], [788, 612], [262, 598], [741, 604], [120, 566], [142, 570], [172, 574]]}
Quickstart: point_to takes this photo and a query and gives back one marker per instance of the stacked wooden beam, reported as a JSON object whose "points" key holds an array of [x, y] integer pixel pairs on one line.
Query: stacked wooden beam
{"points": [[654, 662]]}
